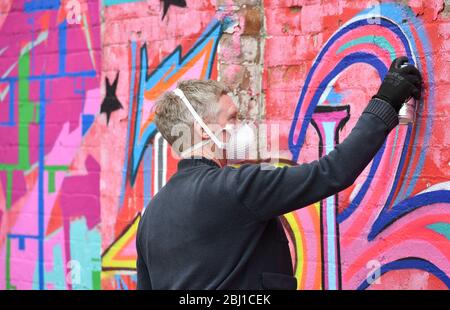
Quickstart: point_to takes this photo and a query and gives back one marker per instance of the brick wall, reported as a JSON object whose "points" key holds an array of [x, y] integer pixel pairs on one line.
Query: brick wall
{"points": [[80, 156]]}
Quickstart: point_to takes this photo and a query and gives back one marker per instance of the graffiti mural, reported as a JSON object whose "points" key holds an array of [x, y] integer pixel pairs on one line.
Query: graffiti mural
{"points": [[168, 3], [111, 103], [80, 155], [391, 219], [50, 234]]}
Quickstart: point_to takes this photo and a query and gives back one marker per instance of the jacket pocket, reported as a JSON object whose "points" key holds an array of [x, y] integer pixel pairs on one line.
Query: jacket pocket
{"points": [[278, 281]]}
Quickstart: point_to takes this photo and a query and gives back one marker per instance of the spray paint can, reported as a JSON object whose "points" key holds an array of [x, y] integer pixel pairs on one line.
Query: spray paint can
{"points": [[407, 113]]}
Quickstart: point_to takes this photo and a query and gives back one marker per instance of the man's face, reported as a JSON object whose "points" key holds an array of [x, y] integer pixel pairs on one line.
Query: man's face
{"points": [[227, 114], [242, 143], [227, 111]]}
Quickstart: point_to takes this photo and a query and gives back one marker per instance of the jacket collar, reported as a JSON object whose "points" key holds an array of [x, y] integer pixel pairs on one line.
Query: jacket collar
{"points": [[196, 161]]}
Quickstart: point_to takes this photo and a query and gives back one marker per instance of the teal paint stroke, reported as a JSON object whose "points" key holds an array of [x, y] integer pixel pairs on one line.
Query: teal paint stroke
{"points": [[85, 253], [377, 40], [441, 228], [56, 278], [115, 2]]}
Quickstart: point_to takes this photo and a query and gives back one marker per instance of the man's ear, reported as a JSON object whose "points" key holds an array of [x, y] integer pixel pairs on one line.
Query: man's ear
{"points": [[200, 132]]}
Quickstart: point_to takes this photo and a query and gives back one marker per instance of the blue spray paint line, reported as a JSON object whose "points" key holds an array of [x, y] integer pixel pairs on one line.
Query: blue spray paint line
{"points": [[399, 13], [33, 36], [329, 136], [88, 73], [331, 216], [130, 111], [331, 242], [80, 91], [175, 61], [334, 98], [408, 263], [227, 22], [120, 283], [86, 122], [387, 217], [395, 143], [22, 244], [41, 5], [399, 169], [62, 42], [41, 166], [345, 214], [19, 236], [9, 79], [22, 239], [11, 121], [139, 145], [12, 89], [148, 184]]}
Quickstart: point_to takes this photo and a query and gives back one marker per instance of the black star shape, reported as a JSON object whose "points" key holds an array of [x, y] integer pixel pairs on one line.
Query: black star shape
{"points": [[168, 3], [111, 103]]}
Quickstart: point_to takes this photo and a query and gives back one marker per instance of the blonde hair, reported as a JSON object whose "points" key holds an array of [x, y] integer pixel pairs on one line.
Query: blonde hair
{"points": [[204, 96]]}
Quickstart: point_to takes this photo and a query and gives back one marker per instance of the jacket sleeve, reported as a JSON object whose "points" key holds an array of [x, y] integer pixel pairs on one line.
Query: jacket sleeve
{"points": [[143, 277], [270, 193]]}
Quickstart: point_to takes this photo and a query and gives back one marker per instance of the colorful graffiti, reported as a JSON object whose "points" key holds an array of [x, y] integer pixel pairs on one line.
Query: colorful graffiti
{"points": [[388, 219], [50, 206], [81, 157]]}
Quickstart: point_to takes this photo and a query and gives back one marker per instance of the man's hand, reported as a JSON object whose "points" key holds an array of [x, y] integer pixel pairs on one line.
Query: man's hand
{"points": [[400, 83]]}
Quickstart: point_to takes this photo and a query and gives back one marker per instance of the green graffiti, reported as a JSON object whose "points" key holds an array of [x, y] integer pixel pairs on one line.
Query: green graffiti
{"points": [[26, 113], [9, 286], [51, 175]]}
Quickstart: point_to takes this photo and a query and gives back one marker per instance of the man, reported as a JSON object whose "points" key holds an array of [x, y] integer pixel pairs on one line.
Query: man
{"points": [[216, 227]]}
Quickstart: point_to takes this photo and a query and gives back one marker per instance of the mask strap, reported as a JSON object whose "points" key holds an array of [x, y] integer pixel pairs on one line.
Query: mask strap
{"points": [[193, 148], [197, 117]]}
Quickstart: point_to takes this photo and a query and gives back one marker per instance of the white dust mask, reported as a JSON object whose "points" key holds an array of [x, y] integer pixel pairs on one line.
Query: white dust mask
{"points": [[241, 143]]}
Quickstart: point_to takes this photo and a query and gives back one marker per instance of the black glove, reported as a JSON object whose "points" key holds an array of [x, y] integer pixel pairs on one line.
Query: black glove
{"points": [[400, 83]]}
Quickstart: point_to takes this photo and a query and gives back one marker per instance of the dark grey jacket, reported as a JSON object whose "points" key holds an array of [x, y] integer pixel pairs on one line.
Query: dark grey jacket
{"points": [[218, 228]]}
